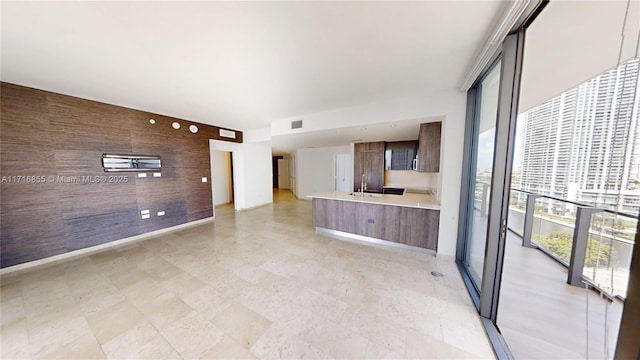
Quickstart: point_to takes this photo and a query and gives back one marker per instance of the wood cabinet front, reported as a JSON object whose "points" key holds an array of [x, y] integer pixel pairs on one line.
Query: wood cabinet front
{"points": [[429, 150], [368, 160], [404, 225]]}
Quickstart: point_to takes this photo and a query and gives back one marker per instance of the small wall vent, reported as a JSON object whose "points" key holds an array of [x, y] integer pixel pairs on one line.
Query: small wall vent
{"points": [[296, 124]]}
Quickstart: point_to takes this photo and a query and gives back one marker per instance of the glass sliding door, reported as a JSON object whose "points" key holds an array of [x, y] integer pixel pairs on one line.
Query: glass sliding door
{"points": [[481, 172], [486, 178]]}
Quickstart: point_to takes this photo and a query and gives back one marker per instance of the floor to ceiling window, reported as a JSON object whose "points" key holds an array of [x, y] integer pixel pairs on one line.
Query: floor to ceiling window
{"points": [[541, 291], [484, 140]]}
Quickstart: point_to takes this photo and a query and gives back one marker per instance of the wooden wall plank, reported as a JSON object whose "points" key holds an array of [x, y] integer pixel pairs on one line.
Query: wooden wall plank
{"points": [[79, 205]]}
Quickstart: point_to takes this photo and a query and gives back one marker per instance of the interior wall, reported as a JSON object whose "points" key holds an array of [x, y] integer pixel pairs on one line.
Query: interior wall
{"points": [[257, 174], [55, 196], [251, 172], [221, 177], [315, 169]]}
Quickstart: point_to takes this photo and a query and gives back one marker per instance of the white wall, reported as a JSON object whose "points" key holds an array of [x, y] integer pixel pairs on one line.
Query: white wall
{"points": [[251, 172], [220, 177], [450, 105], [315, 169]]}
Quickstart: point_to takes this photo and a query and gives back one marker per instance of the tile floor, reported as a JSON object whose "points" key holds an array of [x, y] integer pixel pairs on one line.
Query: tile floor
{"points": [[256, 284]]}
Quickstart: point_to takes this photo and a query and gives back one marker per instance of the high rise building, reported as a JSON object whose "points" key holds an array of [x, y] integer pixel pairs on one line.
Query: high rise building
{"points": [[584, 145]]}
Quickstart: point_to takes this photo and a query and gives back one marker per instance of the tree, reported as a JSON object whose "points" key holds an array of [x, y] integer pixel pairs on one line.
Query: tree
{"points": [[560, 243]]}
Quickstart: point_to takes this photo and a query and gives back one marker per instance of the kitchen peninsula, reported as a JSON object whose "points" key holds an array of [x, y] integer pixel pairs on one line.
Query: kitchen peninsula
{"points": [[405, 220]]}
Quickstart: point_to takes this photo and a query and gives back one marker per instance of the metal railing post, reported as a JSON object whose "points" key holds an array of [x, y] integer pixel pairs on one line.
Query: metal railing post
{"points": [[528, 220], [579, 246]]}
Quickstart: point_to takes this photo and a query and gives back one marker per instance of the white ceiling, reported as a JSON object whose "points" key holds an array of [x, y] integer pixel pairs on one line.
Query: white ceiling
{"points": [[391, 131], [242, 64]]}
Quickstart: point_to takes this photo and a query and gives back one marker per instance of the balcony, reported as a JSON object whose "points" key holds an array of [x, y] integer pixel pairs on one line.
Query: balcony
{"points": [[565, 276]]}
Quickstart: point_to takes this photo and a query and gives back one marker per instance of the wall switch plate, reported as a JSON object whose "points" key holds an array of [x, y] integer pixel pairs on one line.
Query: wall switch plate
{"points": [[146, 216], [142, 175], [143, 212], [204, 179], [157, 174], [160, 213]]}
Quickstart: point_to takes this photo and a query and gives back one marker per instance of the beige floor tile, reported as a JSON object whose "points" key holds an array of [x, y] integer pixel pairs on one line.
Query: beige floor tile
{"points": [[356, 297], [337, 341], [139, 342], [389, 337], [82, 284], [421, 346], [376, 350], [259, 283], [99, 299], [182, 284], [10, 288], [84, 347], [14, 340], [242, 324], [192, 336], [292, 326], [114, 320], [128, 276], [160, 269], [393, 309], [209, 301], [228, 348], [321, 304], [164, 310], [466, 338], [11, 310], [57, 331]]}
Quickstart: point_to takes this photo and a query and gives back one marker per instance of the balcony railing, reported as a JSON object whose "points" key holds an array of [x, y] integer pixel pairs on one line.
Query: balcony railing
{"points": [[594, 244]]}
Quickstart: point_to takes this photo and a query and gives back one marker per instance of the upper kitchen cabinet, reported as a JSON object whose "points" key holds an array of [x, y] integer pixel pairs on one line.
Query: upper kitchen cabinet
{"points": [[368, 159], [399, 155], [429, 150]]}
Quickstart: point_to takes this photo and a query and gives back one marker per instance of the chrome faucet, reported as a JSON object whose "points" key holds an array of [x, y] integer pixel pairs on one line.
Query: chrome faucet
{"points": [[363, 184]]}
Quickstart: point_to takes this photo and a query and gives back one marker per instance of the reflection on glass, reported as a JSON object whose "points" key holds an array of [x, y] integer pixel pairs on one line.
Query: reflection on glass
{"points": [[485, 140]]}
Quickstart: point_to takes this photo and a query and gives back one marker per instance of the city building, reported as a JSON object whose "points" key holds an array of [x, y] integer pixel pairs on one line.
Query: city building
{"points": [[584, 144]]}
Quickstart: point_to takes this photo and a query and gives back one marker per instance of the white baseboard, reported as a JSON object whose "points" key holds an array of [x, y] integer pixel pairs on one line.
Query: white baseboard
{"points": [[98, 248]]}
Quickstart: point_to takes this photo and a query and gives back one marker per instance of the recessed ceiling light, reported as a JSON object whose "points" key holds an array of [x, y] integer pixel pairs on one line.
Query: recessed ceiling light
{"points": [[151, 121], [193, 128], [175, 125]]}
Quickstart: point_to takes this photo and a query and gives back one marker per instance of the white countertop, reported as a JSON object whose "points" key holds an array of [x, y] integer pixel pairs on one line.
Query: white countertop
{"points": [[408, 200]]}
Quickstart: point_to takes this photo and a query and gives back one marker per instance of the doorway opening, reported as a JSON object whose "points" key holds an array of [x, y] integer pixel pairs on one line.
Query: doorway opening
{"points": [[281, 172], [222, 185]]}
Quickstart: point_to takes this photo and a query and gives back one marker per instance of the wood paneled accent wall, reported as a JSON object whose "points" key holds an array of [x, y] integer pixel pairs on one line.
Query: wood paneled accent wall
{"points": [[51, 144]]}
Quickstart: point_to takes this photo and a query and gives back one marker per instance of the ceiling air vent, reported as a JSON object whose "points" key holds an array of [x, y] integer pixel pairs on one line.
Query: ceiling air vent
{"points": [[296, 124]]}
